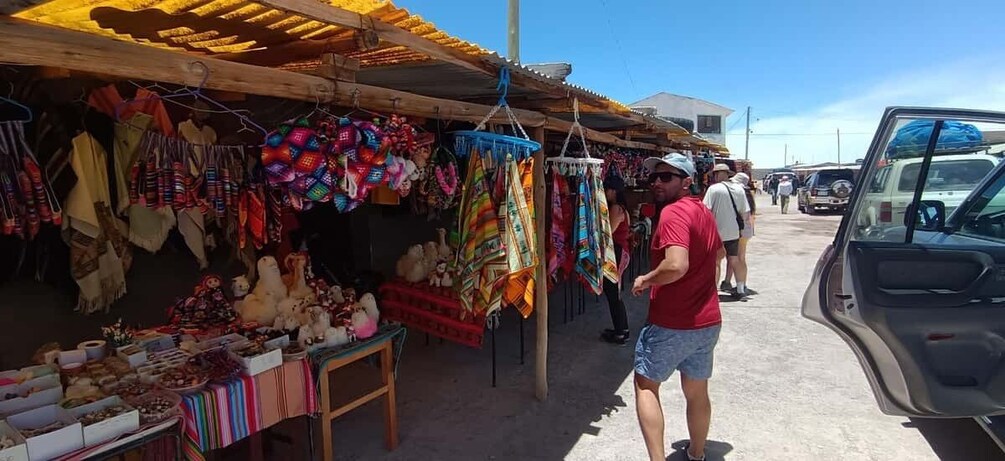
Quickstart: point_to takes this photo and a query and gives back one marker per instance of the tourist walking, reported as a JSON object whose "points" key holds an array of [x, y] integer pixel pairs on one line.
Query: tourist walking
{"points": [[729, 206], [785, 190], [614, 187], [741, 180], [684, 319]]}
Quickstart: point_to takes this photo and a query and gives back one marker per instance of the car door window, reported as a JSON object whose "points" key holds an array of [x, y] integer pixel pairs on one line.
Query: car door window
{"points": [[878, 185], [965, 154], [984, 217]]}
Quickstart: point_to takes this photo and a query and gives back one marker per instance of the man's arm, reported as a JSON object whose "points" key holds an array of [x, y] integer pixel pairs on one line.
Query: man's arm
{"points": [[675, 264]]}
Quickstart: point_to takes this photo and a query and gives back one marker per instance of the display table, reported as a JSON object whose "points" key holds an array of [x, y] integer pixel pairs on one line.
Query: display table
{"points": [[329, 360], [226, 413]]}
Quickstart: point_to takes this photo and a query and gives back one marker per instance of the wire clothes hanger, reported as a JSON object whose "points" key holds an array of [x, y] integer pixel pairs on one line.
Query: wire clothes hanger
{"points": [[29, 115], [197, 93], [575, 165]]}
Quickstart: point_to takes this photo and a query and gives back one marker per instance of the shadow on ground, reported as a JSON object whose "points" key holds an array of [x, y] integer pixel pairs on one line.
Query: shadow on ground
{"points": [[957, 439], [714, 450]]}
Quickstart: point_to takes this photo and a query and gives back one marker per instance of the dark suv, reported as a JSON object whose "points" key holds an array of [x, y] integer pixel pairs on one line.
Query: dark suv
{"points": [[828, 188]]}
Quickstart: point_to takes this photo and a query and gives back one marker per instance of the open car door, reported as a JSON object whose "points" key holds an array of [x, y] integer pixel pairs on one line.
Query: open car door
{"points": [[922, 302]]}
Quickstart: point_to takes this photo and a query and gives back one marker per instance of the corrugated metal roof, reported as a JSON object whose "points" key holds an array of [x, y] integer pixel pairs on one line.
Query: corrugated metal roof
{"points": [[233, 26], [218, 27]]}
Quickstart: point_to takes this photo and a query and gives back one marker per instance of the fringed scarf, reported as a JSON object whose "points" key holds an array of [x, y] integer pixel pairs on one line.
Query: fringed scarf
{"points": [[148, 227], [608, 260], [521, 247], [588, 251], [481, 254], [99, 253]]}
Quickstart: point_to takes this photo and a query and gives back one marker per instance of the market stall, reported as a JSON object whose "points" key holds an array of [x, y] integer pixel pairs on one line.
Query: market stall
{"points": [[240, 171]]}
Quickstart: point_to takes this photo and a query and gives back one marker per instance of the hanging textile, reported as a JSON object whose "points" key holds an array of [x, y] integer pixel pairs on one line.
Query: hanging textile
{"points": [[26, 196], [191, 219], [608, 261], [561, 255], [99, 254], [519, 237], [108, 101], [588, 251], [481, 253], [148, 227]]}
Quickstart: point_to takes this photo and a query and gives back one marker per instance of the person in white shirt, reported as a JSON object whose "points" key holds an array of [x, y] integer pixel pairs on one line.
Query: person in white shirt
{"points": [[728, 204], [785, 190]]}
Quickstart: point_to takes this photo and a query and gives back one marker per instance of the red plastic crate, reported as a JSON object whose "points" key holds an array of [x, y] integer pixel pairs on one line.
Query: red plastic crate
{"points": [[433, 310]]}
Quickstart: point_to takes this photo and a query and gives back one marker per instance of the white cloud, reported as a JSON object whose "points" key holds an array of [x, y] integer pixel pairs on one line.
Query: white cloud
{"points": [[811, 134]]}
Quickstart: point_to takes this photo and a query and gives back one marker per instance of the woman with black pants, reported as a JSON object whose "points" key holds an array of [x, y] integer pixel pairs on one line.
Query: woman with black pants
{"points": [[614, 187]]}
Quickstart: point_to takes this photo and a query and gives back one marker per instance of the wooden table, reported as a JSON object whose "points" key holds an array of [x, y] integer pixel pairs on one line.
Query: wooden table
{"points": [[385, 347]]}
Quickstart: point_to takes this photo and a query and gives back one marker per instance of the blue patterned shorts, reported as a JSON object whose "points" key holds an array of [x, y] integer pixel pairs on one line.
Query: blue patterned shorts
{"points": [[660, 351]]}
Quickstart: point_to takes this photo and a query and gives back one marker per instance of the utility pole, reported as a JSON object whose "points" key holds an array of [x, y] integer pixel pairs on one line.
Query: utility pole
{"points": [[746, 145], [513, 37], [785, 159], [839, 147]]}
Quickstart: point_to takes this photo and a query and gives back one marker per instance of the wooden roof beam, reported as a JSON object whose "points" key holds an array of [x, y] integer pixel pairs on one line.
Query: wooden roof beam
{"points": [[33, 44]]}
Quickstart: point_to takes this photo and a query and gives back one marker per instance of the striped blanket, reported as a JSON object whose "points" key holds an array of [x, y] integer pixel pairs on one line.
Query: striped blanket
{"points": [[481, 256], [521, 247]]}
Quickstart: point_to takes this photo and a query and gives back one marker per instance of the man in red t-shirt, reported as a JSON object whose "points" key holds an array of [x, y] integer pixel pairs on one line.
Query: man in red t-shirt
{"points": [[684, 318]]}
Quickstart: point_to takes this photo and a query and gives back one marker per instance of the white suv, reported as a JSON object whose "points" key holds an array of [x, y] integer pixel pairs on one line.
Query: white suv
{"points": [[950, 179]]}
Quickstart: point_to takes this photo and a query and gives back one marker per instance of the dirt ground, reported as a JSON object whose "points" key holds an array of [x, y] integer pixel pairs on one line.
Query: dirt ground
{"points": [[783, 388]]}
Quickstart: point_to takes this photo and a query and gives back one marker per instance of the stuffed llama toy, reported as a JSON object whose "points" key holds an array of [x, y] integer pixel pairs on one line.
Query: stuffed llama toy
{"points": [[262, 305]]}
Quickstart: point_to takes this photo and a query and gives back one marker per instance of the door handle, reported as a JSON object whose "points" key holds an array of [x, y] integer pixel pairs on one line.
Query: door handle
{"points": [[842, 296]]}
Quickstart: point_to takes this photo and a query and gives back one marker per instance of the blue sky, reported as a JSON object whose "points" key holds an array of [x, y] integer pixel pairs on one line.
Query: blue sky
{"points": [[806, 68]]}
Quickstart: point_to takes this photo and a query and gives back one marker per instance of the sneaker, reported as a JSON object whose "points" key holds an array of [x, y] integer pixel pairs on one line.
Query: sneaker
{"points": [[725, 286], [740, 295], [615, 337], [751, 291]]}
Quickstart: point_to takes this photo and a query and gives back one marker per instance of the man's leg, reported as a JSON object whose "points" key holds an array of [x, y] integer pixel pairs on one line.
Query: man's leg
{"points": [[785, 204], [733, 267], [699, 414], [774, 198], [741, 266], [647, 405]]}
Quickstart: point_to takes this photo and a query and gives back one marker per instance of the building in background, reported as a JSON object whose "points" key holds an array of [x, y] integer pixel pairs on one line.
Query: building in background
{"points": [[697, 115]]}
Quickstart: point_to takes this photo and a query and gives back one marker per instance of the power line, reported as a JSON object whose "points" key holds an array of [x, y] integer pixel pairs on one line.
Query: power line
{"points": [[617, 41], [738, 120], [796, 134]]}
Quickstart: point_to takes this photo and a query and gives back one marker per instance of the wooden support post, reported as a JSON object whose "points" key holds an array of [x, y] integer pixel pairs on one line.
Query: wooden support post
{"points": [[541, 284]]}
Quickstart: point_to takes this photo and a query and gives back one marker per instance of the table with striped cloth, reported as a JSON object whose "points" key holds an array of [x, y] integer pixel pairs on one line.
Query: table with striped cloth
{"points": [[226, 413]]}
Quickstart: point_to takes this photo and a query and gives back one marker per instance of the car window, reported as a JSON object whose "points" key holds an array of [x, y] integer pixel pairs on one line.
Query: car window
{"points": [[879, 184], [965, 154], [985, 217], [826, 178], [946, 175]]}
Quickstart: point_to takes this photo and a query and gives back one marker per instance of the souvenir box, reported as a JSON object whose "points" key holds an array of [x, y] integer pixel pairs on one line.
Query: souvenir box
{"points": [[19, 452], [108, 429], [52, 444], [37, 392]]}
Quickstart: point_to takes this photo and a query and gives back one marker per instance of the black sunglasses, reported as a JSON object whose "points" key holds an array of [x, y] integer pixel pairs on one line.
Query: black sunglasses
{"points": [[665, 176]]}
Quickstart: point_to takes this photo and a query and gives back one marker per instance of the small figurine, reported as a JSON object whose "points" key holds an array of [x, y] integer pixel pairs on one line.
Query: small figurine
{"points": [[443, 249], [362, 325], [240, 286], [296, 279], [368, 303], [436, 278]]}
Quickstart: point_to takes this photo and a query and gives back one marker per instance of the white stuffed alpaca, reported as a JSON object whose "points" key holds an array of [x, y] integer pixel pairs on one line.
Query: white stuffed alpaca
{"points": [[368, 303], [262, 304], [337, 336], [437, 275], [430, 256], [321, 320], [336, 294], [411, 266]]}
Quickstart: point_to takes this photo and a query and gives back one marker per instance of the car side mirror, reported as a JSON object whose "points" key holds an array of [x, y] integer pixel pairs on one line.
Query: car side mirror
{"points": [[930, 215]]}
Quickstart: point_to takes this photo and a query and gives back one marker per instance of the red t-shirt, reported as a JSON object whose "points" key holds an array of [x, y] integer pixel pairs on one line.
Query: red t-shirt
{"points": [[693, 301]]}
